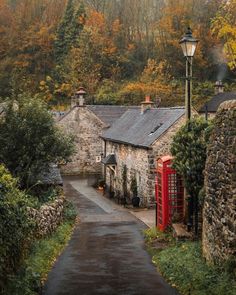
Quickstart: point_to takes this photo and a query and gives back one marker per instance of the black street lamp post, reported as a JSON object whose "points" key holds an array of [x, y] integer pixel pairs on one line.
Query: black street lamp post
{"points": [[189, 44]]}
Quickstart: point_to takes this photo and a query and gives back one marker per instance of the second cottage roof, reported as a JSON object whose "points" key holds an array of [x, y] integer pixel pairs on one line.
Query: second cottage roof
{"points": [[213, 104], [143, 129], [108, 113]]}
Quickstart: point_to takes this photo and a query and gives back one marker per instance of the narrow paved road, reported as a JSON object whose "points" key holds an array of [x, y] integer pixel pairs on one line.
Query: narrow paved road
{"points": [[106, 253]]}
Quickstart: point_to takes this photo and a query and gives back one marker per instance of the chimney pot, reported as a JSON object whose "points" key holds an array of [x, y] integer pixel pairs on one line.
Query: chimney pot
{"points": [[147, 104], [79, 97], [219, 87], [147, 98]]}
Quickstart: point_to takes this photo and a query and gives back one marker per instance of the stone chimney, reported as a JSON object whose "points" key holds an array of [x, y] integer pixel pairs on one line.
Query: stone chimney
{"points": [[78, 98], [219, 87], [79, 95], [147, 104]]}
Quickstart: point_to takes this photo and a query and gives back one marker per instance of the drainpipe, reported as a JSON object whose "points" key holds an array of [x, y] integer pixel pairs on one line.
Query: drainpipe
{"points": [[104, 155], [206, 112]]}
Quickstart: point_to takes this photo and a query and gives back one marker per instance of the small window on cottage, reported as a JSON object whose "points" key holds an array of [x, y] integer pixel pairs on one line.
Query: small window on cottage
{"points": [[155, 129]]}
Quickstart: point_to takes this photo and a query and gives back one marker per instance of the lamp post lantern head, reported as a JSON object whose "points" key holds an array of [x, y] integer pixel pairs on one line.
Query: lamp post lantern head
{"points": [[79, 95], [188, 44]]}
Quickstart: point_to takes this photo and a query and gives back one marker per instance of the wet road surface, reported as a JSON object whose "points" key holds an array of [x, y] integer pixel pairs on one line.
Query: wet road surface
{"points": [[106, 253]]}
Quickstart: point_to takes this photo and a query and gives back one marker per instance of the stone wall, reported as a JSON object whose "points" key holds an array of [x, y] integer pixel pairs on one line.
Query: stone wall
{"points": [[219, 213], [162, 146], [86, 128], [136, 161], [140, 163], [48, 217]]}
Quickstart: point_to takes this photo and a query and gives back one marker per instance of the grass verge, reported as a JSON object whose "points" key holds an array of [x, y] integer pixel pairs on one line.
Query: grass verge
{"points": [[183, 266], [33, 273]]}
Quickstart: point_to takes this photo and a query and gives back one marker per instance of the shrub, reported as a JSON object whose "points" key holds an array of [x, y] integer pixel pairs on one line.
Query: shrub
{"points": [[33, 273], [30, 141], [189, 150], [45, 194], [69, 212], [107, 93], [184, 268], [15, 226]]}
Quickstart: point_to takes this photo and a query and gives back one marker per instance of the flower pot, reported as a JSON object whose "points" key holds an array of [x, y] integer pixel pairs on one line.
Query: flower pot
{"points": [[135, 202]]}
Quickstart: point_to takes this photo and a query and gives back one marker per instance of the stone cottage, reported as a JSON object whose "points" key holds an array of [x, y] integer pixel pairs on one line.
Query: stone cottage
{"points": [[86, 123], [132, 145], [210, 108]]}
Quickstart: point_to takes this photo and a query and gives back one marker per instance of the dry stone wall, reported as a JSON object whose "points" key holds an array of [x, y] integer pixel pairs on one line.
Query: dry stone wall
{"points": [[48, 217], [219, 213]]}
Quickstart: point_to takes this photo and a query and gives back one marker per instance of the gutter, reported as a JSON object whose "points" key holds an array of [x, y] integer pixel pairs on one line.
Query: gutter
{"points": [[126, 143]]}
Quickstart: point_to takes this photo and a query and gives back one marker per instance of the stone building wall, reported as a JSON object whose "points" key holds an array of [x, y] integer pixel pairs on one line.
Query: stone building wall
{"points": [[136, 161], [140, 163], [48, 217], [219, 213], [162, 146], [86, 128]]}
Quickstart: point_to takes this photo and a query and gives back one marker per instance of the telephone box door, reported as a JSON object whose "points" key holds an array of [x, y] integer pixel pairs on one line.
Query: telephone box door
{"points": [[169, 194]]}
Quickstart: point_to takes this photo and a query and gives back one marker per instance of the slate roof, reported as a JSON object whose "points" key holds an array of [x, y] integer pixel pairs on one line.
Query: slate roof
{"points": [[216, 100], [142, 130], [106, 113], [109, 160], [109, 113], [51, 177]]}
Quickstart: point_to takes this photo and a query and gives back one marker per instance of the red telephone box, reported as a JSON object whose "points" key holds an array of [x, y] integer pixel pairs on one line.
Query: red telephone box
{"points": [[169, 193]]}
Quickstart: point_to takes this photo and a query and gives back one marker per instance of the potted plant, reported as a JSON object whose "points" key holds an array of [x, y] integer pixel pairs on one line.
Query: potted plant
{"points": [[134, 188], [101, 184]]}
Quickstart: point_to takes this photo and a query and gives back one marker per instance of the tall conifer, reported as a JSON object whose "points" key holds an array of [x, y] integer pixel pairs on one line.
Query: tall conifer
{"points": [[67, 35]]}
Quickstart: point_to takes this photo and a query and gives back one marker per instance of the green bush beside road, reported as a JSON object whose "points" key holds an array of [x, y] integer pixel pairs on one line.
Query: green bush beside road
{"points": [[24, 260], [182, 265], [33, 273], [16, 229]]}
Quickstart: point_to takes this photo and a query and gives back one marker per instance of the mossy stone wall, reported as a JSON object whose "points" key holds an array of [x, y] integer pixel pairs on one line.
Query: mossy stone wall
{"points": [[219, 213]]}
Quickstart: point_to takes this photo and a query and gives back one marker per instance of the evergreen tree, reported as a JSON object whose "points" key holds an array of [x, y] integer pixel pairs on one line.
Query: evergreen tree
{"points": [[77, 24], [68, 31], [189, 150]]}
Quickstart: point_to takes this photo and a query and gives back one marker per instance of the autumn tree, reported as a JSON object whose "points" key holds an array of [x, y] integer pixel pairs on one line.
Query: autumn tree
{"points": [[155, 81], [224, 27], [53, 46], [27, 35], [96, 55]]}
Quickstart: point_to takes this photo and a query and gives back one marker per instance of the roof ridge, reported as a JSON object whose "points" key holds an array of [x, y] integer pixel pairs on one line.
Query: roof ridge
{"points": [[111, 105]]}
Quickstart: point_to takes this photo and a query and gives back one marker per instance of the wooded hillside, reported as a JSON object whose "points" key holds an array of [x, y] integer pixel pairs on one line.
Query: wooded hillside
{"points": [[118, 50]]}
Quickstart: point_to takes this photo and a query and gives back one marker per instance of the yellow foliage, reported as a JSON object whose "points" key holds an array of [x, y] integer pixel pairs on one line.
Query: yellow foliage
{"points": [[116, 26], [224, 27], [131, 47], [81, 19], [96, 20], [48, 79]]}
